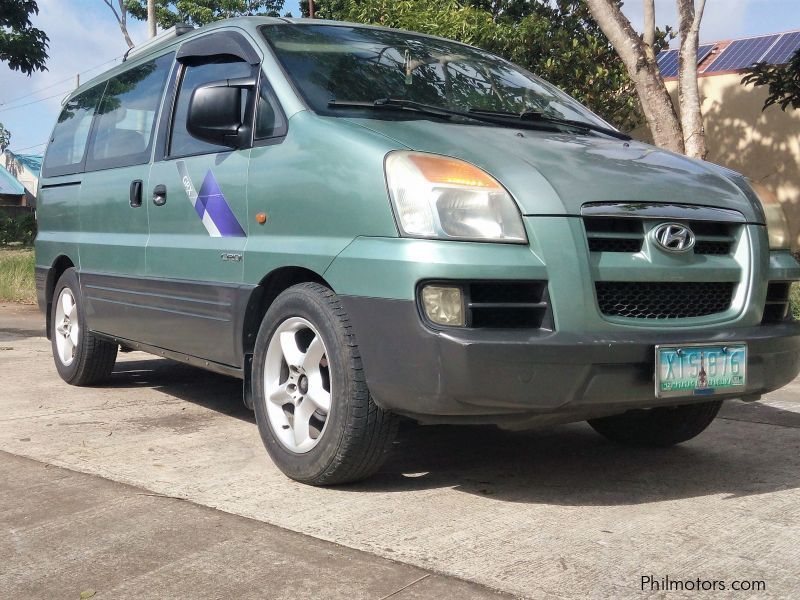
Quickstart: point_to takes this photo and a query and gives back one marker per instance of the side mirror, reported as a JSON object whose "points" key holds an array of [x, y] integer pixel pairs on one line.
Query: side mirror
{"points": [[215, 112]]}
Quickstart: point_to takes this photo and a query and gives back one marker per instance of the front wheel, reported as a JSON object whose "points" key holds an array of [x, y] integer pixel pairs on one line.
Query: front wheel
{"points": [[658, 427], [313, 409]]}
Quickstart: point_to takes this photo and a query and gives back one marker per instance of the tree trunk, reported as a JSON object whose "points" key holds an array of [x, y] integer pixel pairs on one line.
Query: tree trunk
{"points": [[694, 133], [122, 20], [151, 18], [643, 70], [124, 31], [650, 22]]}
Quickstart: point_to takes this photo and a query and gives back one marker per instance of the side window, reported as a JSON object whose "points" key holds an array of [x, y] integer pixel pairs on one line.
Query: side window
{"points": [[270, 121], [182, 143], [68, 144], [126, 118]]}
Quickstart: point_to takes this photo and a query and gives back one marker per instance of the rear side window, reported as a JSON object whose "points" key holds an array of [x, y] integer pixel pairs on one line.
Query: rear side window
{"points": [[125, 123], [225, 67], [67, 146]]}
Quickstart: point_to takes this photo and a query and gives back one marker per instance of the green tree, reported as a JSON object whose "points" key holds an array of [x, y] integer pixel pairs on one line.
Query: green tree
{"points": [[22, 46], [5, 138], [557, 40], [675, 126], [200, 12], [783, 82]]}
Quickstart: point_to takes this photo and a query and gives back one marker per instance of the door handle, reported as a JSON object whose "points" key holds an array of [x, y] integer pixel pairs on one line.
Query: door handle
{"points": [[160, 195], [135, 196]]}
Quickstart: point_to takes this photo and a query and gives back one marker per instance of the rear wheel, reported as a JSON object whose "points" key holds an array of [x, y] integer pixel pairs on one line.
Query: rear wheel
{"points": [[81, 357], [313, 409], [658, 427]]}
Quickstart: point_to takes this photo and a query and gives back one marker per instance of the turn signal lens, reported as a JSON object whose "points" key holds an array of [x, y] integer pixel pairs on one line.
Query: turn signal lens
{"points": [[440, 169], [443, 305], [780, 237], [445, 198]]}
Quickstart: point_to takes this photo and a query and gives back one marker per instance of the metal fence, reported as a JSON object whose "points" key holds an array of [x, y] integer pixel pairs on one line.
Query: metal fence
{"points": [[16, 211]]}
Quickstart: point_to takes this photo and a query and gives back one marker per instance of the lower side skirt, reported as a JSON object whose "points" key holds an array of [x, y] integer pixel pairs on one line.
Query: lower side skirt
{"points": [[176, 356]]}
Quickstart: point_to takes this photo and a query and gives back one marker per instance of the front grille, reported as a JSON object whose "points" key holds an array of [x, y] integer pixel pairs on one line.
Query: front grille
{"points": [[713, 238], [712, 248], [626, 234], [612, 234], [663, 300], [614, 245]]}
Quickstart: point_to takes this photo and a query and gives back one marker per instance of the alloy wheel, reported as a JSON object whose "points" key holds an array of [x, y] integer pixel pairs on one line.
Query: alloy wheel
{"points": [[297, 385], [67, 328]]}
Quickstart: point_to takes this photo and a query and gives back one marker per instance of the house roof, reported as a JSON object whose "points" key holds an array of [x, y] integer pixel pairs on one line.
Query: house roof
{"points": [[734, 56], [32, 162], [9, 184]]}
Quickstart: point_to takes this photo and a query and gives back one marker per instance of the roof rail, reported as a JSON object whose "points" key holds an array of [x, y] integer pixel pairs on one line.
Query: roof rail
{"points": [[173, 32]]}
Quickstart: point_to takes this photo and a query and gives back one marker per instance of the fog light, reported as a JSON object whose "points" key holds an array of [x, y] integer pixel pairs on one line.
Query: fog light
{"points": [[443, 305]]}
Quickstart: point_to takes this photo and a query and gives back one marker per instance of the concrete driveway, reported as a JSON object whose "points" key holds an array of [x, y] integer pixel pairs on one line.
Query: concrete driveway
{"points": [[553, 513]]}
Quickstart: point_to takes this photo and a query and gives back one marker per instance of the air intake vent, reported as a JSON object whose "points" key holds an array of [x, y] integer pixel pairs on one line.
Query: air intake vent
{"points": [[777, 306], [508, 305], [663, 300]]}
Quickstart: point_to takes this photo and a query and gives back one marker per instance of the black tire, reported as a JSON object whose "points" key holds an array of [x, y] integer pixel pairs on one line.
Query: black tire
{"points": [[357, 434], [658, 427], [93, 358]]}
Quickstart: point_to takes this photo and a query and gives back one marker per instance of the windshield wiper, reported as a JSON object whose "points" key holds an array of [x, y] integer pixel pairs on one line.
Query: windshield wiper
{"points": [[538, 117], [399, 104], [497, 117]]}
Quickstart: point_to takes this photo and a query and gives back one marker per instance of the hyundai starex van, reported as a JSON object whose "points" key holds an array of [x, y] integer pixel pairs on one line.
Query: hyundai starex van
{"points": [[365, 224]]}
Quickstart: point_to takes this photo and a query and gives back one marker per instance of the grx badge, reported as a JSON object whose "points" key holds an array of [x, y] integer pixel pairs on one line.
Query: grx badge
{"points": [[210, 205]]}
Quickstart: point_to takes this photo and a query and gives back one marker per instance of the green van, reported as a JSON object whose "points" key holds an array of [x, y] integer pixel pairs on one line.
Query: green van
{"points": [[365, 224]]}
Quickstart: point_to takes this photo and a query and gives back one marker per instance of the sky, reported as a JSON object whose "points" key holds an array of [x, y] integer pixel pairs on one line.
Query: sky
{"points": [[85, 39]]}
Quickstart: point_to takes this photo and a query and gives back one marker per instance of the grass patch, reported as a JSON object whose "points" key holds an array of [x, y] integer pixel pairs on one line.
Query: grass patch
{"points": [[795, 299], [17, 282]]}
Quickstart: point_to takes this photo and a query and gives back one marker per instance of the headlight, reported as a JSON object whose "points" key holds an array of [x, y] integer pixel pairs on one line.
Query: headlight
{"points": [[445, 198], [780, 238]]}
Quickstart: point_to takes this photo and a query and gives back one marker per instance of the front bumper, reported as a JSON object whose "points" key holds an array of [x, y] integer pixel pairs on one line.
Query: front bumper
{"points": [[517, 376]]}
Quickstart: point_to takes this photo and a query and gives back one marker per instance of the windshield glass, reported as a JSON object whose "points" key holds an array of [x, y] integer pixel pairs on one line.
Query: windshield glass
{"points": [[342, 63]]}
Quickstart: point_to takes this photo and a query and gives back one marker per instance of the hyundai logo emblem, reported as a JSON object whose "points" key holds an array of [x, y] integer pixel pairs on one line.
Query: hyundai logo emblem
{"points": [[674, 237]]}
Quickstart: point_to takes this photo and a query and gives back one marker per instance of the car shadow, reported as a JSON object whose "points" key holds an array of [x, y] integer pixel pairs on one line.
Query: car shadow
{"points": [[574, 466], [565, 465], [216, 392]]}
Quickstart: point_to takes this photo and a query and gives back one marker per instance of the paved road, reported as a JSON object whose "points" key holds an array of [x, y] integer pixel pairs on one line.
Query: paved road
{"points": [[68, 533], [554, 513]]}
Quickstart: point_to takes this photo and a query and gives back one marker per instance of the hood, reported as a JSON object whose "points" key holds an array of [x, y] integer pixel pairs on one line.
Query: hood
{"points": [[555, 173]]}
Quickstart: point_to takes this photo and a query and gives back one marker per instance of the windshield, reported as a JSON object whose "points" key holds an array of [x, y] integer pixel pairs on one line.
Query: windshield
{"points": [[359, 64]]}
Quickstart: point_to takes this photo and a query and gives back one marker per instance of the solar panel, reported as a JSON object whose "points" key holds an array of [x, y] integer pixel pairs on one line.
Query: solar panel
{"points": [[783, 51], [742, 53], [668, 63], [704, 51], [668, 60]]}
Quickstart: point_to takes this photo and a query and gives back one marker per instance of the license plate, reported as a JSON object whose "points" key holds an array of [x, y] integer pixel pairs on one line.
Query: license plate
{"points": [[700, 370]]}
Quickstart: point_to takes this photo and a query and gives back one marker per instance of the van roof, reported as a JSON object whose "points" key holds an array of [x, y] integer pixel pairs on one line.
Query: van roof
{"points": [[246, 23]]}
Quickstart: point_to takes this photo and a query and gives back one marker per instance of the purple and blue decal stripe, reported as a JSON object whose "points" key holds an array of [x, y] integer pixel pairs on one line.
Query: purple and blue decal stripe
{"points": [[210, 205]]}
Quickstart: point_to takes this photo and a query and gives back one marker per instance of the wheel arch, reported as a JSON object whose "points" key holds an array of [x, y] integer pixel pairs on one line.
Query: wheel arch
{"points": [[261, 298], [54, 273]]}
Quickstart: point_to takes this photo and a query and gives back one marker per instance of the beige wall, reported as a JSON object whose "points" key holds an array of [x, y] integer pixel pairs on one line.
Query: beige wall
{"points": [[765, 146]]}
